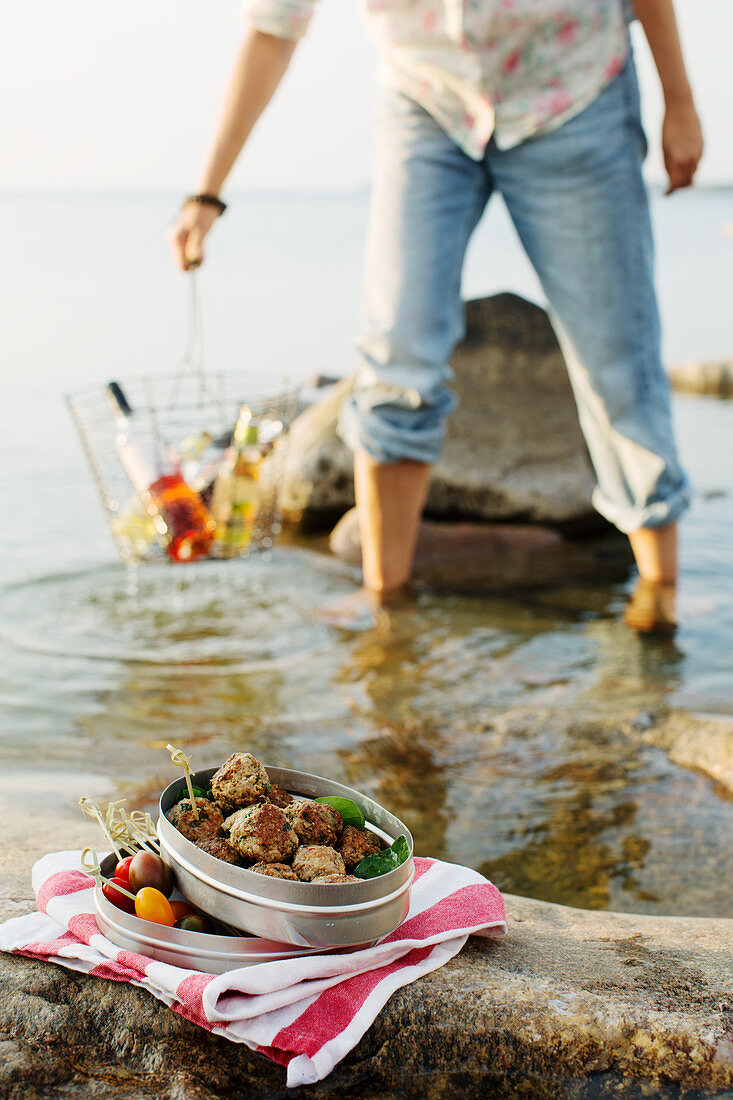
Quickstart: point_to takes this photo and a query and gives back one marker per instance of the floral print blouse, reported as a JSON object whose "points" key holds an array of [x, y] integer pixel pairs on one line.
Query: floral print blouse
{"points": [[507, 68]]}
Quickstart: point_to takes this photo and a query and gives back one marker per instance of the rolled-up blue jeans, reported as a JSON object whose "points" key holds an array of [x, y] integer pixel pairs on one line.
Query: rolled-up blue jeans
{"points": [[580, 207]]}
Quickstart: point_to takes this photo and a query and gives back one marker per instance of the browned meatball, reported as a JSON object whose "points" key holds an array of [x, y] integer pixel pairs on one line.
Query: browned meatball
{"points": [[220, 848], [263, 834], [316, 860], [315, 822], [229, 821], [275, 870], [208, 824], [279, 796], [357, 843], [240, 781], [336, 879]]}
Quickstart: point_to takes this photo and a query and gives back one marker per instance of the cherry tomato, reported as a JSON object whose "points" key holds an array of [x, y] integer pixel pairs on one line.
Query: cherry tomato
{"points": [[182, 909], [195, 922], [151, 905], [147, 869], [116, 896], [122, 870]]}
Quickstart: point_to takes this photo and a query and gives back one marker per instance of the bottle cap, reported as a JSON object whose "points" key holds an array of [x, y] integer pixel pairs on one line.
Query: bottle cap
{"points": [[115, 391]]}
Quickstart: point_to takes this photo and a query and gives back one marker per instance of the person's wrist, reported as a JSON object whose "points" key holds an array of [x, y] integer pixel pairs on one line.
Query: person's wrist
{"points": [[679, 98], [207, 199]]}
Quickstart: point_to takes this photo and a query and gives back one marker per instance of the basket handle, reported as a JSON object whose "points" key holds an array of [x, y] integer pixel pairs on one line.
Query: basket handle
{"points": [[193, 356]]}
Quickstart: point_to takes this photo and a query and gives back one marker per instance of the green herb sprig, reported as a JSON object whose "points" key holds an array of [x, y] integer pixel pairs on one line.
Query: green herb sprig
{"points": [[381, 863]]}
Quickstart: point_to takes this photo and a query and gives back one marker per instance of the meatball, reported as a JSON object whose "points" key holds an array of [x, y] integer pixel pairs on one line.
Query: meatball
{"points": [[263, 834], [275, 870], [315, 822], [336, 879], [317, 860], [279, 796], [208, 824], [220, 848], [357, 843], [229, 821], [240, 781]]}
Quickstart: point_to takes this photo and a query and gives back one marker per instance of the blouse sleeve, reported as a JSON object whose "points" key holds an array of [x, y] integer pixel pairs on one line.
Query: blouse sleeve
{"points": [[281, 18]]}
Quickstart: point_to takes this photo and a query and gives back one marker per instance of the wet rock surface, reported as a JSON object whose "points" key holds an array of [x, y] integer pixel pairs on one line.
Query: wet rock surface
{"points": [[500, 461], [471, 557], [693, 741], [316, 478], [572, 1004]]}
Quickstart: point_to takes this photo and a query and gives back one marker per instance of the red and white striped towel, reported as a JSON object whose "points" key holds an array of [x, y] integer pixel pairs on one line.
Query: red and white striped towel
{"points": [[305, 1013]]}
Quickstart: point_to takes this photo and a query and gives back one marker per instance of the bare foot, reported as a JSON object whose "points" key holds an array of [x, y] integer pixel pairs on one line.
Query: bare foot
{"points": [[360, 610], [651, 609], [365, 609]]}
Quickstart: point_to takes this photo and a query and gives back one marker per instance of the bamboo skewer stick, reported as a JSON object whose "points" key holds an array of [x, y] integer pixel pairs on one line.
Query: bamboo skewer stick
{"points": [[127, 826], [94, 870], [92, 810], [180, 759], [126, 833]]}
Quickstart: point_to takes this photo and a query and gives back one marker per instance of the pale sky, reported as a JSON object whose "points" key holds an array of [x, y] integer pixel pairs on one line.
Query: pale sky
{"points": [[123, 97]]}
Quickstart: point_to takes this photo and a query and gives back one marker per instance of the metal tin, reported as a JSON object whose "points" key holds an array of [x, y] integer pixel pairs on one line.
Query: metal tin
{"points": [[302, 913], [203, 951]]}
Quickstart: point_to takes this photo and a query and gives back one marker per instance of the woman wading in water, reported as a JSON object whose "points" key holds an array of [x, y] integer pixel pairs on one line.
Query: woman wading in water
{"points": [[538, 100]]}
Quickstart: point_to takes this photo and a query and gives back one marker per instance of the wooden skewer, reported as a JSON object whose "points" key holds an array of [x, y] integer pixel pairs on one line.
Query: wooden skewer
{"points": [[126, 828], [180, 759], [95, 871], [92, 810]]}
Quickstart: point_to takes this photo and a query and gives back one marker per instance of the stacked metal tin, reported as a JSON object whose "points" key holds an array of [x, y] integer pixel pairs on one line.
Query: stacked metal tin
{"points": [[284, 918]]}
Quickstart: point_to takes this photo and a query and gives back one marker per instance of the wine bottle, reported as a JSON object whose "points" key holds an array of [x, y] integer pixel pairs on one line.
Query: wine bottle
{"points": [[155, 475], [235, 497]]}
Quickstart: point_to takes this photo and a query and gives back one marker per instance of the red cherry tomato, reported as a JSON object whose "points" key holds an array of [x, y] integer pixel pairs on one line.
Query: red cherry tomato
{"points": [[151, 905], [122, 870], [116, 897], [182, 909]]}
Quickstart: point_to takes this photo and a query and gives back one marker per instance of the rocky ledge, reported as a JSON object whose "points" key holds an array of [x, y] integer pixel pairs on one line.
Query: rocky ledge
{"points": [[572, 1004], [502, 461], [478, 557], [713, 379]]}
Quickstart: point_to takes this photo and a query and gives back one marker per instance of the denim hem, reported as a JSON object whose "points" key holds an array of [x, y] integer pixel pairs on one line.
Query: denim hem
{"points": [[357, 437], [658, 514]]}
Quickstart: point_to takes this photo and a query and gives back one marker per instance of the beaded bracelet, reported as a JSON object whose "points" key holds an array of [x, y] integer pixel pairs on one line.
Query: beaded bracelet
{"points": [[206, 200]]}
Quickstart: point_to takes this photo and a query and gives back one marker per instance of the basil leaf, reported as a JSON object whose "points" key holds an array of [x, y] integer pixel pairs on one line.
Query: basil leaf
{"points": [[401, 849], [197, 793], [349, 810], [382, 862]]}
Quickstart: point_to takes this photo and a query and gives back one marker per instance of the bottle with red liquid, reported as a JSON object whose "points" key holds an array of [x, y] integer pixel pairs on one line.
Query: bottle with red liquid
{"points": [[156, 477]]}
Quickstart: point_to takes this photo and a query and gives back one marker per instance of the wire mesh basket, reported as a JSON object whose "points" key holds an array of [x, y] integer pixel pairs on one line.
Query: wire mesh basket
{"points": [[213, 457]]}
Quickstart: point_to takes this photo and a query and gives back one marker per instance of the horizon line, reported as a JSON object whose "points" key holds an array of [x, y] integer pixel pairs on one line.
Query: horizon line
{"points": [[260, 192]]}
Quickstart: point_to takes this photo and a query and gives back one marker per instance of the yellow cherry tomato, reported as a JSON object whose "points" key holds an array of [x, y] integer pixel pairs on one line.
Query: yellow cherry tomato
{"points": [[152, 905]]}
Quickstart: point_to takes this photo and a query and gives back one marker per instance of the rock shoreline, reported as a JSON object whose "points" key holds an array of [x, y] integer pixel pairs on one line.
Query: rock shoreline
{"points": [[572, 1004], [709, 379]]}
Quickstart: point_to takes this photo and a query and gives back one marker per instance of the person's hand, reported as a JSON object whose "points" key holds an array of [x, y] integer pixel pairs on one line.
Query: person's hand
{"points": [[682, 144], [186, 235]]}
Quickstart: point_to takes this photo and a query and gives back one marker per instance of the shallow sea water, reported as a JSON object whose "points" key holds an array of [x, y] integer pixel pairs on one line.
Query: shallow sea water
{"points": [[490, 723]]}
